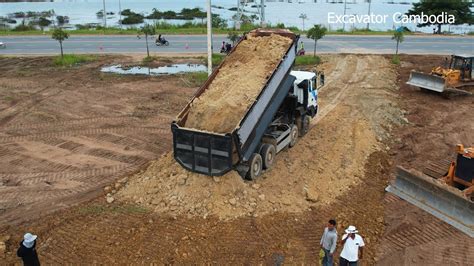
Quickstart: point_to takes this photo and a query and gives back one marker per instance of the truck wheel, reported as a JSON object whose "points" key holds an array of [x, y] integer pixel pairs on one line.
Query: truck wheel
{"points": [[255, 168], [268, 155], [293, 135], [303, 124]]}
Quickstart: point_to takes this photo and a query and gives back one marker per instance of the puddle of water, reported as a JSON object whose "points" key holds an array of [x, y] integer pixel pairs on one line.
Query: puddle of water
{"points": [[157, 71]]}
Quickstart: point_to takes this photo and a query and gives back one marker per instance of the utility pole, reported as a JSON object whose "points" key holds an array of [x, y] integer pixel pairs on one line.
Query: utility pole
{"points": [[120, 14], [105, 15], [343, 23], [209, 38], [262, 14], [368, 23], [303, 17]]}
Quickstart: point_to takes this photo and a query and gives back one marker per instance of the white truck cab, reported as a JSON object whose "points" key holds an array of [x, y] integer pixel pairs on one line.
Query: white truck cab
{"points": [[306, 88]]}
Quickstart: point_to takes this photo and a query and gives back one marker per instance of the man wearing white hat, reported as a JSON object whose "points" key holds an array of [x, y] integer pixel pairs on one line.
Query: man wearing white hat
{"points": [[352, 250], [27, 250]]}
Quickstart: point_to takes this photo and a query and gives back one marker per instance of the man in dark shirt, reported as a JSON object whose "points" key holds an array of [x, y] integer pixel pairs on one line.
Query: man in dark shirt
{"points": [[27, 250]]}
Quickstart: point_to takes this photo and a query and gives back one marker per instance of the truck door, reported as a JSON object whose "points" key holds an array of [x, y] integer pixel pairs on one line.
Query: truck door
{"points": [[313, 93]]}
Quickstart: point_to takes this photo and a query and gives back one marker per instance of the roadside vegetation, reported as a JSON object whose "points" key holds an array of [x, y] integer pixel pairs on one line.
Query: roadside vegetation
{"points": [[195, 79], [33, 22], [306, 60], [69, 60], [395, 59], [316, 33]]}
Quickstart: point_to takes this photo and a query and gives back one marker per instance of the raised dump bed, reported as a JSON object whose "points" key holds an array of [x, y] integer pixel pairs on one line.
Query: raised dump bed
{"points": [[247, 106]]}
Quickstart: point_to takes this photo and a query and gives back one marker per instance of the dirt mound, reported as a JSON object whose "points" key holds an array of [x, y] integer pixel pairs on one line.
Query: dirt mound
{"points": [[328, 161], [239, 81]]}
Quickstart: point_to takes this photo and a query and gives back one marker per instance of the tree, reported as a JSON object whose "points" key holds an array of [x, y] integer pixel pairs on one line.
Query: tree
{"points": [[148, 30], [460, 9], [218, 22], [44, 22], [399, 37], [62, 19], [315, 33], [303, 17], [233, 36], [60, 35]]}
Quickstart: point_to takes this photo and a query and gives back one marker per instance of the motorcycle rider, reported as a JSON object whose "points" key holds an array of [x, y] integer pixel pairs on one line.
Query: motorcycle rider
{"points": [[160, 40]]}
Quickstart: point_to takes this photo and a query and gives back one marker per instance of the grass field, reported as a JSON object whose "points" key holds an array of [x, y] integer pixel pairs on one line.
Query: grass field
{"points": [[72, 59]]}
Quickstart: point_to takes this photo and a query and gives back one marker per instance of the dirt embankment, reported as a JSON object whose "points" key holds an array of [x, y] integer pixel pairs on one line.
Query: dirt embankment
{"points": [[358, 109], [238, 83]]}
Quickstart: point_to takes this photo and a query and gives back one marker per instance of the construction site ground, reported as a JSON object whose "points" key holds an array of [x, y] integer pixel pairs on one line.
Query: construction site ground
{"points": [[66, 133]]}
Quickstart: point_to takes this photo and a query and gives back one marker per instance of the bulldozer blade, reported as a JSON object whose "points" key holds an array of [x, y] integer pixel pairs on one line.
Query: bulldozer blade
{"points": [[445, 202], [427, 81]]}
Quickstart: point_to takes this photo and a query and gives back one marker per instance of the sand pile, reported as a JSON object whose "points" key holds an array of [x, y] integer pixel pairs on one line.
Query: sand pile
{"points": [[237, 84], [324, 164]]}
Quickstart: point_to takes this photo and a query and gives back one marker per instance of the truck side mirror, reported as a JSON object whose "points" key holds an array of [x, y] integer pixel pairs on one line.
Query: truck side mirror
{"points": [[321, 79]]}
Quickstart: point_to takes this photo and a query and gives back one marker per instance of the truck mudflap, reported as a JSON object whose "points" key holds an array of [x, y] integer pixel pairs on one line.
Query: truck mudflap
{"points": [[427, 81], [442, 201], [201, 152]]}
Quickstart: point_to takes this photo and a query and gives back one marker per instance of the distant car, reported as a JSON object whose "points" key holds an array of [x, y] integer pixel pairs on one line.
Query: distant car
{"points": [[3, 45]]}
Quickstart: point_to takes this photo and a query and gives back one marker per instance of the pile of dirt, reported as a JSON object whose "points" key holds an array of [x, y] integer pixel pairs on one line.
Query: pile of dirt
{"points": [[325, 164], [237, 84]]}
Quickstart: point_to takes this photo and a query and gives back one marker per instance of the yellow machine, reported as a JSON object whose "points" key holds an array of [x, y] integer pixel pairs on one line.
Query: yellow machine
{"points": [[457, 76], [461, 172], [446, 195]]}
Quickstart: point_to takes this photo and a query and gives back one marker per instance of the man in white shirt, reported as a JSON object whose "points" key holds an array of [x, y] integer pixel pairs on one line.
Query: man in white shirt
{"points": [[352, 250]]}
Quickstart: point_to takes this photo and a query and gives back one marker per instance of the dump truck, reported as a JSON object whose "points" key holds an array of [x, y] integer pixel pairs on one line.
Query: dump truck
{"points": [[456, 77], [444, 189], [273, 121]]}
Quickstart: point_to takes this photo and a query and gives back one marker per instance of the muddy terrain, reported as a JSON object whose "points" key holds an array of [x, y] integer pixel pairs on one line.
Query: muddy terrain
{"points": [[369, 122]]}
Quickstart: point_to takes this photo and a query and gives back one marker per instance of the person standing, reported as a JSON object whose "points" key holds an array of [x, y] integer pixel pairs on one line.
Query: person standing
{"points": [[328, 243], [352, 247], [27, 250]]}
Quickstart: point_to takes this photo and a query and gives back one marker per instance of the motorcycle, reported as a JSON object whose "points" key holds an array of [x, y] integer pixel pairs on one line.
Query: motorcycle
{"points": [[161, 42]]}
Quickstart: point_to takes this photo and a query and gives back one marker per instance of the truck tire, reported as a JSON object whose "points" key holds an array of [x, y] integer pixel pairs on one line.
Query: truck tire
{"points": [[293, 135], [255, 166], [268, 153], [303, 124]]}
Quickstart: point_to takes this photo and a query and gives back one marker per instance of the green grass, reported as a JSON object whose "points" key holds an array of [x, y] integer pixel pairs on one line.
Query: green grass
{"points": [[307, 60], [217, 59], [470, 33], [395, 60], [195, 79], [73, 59], [148, 59]]}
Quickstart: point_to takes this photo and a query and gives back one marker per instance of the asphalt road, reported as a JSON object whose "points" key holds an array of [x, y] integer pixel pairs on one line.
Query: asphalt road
{"points": [[31, 45]]}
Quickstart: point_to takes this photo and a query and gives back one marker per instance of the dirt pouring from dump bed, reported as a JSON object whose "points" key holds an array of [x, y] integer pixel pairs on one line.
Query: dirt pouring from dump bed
{"points": [[358, 108], [239, 81]]}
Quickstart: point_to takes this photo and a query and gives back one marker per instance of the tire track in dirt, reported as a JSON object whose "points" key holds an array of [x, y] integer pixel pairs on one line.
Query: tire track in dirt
{"points": [[90, 121], [341, 79], [433, 233], [86, 132]]}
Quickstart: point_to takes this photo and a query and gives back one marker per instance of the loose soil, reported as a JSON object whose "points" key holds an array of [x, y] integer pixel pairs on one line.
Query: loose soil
{"points": [[315, 177], [357, 135], [237, 84]]}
